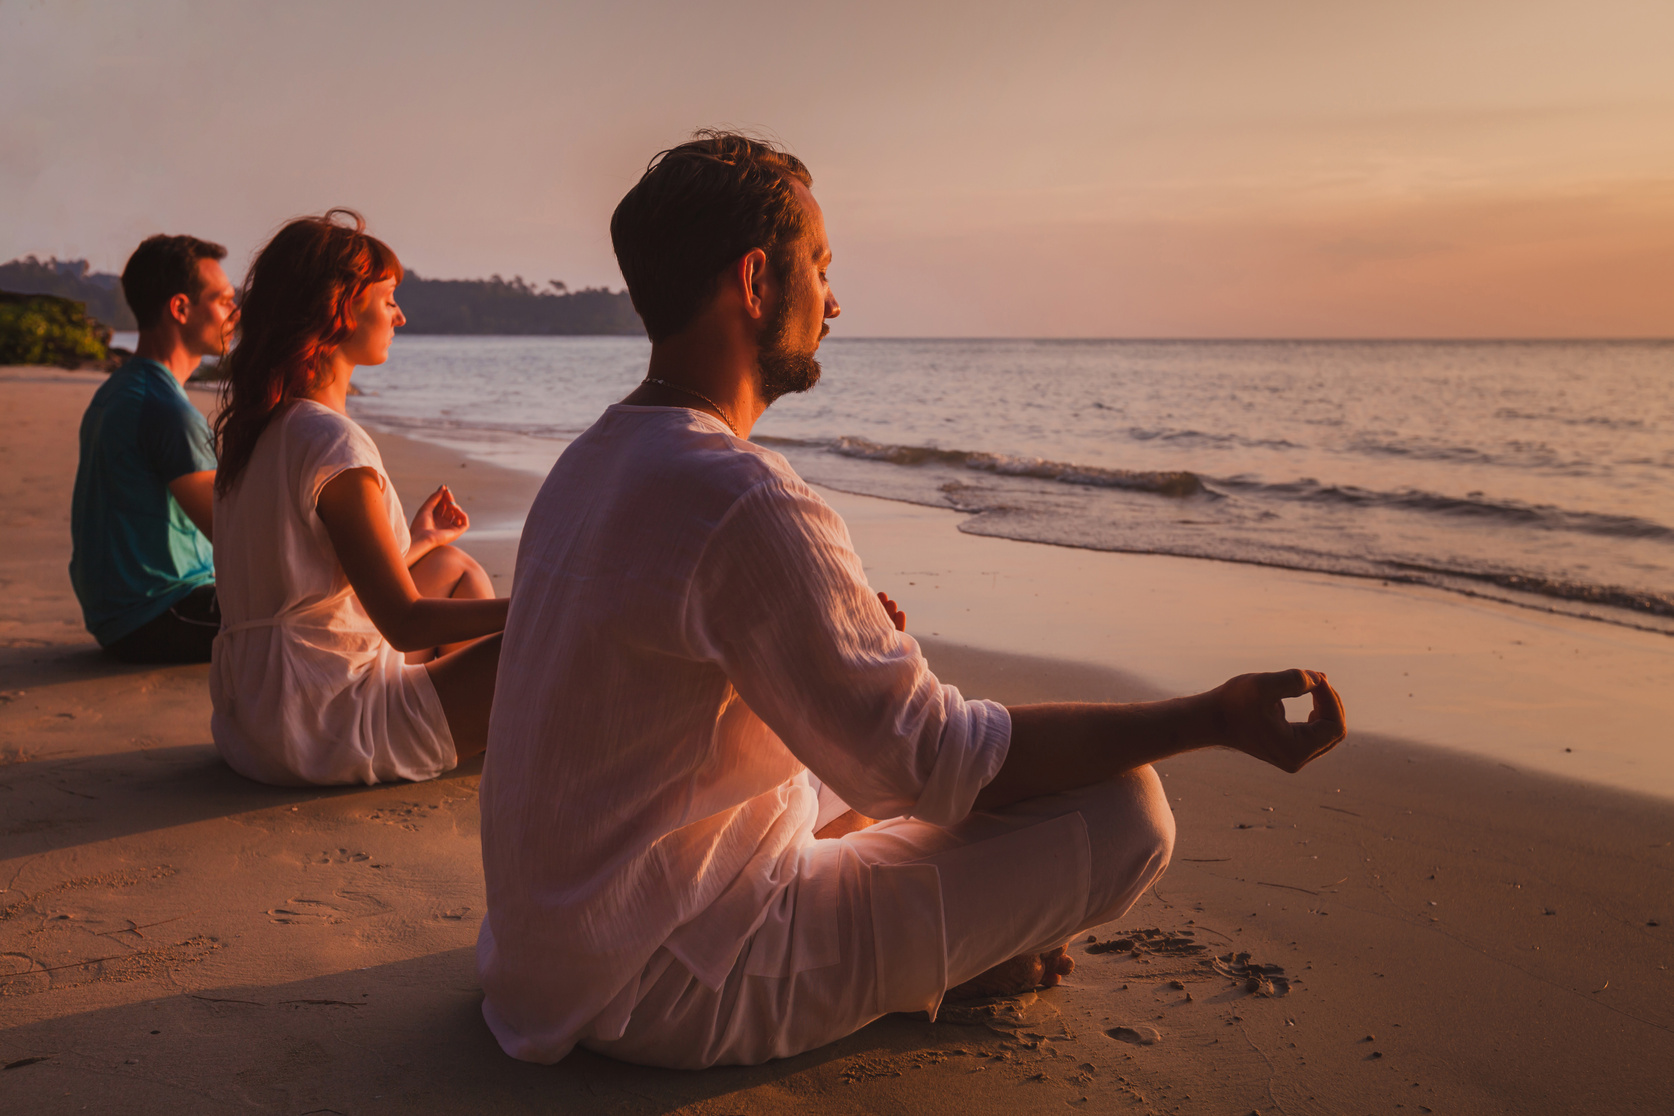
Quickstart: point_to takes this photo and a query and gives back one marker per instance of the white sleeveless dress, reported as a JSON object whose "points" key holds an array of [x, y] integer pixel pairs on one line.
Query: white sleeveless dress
{"points": [[305, 689]]}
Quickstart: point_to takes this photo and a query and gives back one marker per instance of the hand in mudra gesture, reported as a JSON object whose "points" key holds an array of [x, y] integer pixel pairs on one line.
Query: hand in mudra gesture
{"points": [[440, 519], [893, 610], [1252, 713]]}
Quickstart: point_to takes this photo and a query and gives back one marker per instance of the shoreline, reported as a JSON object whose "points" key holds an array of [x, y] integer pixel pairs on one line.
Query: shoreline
{"points": [[1510, 489], [177, 938], [501, 448], [533, 454], [1567, 695]]}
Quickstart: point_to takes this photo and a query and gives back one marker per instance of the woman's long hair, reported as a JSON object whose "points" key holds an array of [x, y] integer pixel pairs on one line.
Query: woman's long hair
{"points": [[297, 307]]}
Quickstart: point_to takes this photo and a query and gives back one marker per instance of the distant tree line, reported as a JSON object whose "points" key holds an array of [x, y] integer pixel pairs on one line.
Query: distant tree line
{"points": [[477, 306], [74, 280], [496, 305]]}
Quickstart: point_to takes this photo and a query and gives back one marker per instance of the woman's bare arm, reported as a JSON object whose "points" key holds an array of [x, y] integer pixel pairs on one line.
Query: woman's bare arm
{"points": [[1062, 746], [351, 506]]}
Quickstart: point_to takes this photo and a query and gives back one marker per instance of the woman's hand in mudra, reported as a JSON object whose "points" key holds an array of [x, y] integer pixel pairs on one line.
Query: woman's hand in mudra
{"points": [[439, 520]]}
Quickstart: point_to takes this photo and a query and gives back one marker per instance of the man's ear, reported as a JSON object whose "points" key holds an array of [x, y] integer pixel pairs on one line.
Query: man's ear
{"points": [[753, 280], [180, 307]]}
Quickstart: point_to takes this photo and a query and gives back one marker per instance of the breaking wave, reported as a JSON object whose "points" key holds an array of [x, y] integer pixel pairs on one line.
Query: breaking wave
{"points": [[1230, 516]]}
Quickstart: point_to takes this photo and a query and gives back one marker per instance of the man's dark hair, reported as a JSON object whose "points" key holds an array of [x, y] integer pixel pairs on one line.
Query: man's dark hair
{"points": [[162, 267], [699, 207]]}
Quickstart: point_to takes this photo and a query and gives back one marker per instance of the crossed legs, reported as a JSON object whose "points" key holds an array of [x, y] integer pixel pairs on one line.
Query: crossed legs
{"points": [[900, 912], [463, 673], [448, 571]]}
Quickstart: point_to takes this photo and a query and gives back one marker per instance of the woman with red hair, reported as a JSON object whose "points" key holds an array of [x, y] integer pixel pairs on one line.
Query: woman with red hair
{"points": [[351, 647]]}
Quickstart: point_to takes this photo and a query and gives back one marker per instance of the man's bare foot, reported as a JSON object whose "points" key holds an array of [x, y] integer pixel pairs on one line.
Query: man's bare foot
{"points": [[1020, 974]]}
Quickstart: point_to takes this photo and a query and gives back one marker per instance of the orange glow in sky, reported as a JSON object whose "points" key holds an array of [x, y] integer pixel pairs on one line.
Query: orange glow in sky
{"points": [[1189, 169]]}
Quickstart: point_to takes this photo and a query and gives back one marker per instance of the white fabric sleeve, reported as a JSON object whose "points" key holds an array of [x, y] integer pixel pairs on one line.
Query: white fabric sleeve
{"points": [[330, 444], [781, 603]]}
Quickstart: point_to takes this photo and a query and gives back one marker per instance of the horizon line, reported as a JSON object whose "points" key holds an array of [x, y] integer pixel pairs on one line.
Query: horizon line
{"points": [[1145, 339], [1137, 339]]}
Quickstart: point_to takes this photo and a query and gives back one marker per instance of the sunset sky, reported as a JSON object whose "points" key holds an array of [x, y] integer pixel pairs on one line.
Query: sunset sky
{"points": [[1187, 168]]}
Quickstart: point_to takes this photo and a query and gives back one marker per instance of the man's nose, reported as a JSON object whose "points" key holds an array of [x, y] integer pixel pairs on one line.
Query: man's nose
{"points": [[832, 310]]}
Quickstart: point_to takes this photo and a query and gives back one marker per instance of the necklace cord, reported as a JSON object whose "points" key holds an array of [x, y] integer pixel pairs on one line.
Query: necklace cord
{"points": [[720, 411]]}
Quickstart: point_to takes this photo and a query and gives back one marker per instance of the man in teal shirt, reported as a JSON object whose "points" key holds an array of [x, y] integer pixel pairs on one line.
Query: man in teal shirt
{"points": [[141, 519]]}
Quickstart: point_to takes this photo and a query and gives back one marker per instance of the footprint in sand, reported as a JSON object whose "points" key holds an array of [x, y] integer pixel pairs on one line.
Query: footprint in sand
{"points": [[1139, 1036], [16, 964], [348, 904], [302, 911], [1263, 980], [1005, 1011], [25, 976], [340, 856], [22, 975], [407, 815]]}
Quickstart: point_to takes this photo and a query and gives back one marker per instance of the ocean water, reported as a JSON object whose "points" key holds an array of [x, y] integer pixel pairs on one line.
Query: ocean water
{"points": [[1539, 473]]}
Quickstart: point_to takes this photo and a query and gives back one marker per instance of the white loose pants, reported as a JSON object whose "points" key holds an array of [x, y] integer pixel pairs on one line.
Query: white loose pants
{"points": [[919, 909]]}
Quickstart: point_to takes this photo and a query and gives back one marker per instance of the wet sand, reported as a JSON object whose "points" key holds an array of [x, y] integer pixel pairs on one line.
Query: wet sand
{"points": [[1460, 933]]}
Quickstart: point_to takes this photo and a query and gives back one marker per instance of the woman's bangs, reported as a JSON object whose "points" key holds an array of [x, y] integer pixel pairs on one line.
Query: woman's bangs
{"points": [[385, 263]]}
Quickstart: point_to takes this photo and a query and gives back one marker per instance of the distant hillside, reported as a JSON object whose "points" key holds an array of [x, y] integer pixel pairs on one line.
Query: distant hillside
{"points": [[71, 279], [515, 307], [431, 305]]}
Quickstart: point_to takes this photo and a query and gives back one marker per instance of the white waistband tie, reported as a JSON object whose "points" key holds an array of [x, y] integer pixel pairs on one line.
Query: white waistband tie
{"points": [[315, 617], [246, 625]]}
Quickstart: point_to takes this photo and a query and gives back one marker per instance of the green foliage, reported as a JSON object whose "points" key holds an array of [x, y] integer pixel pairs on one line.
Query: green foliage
{"points": [[42, 329], [74, 280]]}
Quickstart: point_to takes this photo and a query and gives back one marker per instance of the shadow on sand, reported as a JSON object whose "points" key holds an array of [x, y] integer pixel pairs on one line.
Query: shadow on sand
{"points": [[408, 1037], [55, 803]]}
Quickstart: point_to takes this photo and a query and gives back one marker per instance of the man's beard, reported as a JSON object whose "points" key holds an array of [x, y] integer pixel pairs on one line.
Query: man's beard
{"points": [[780, 371]]}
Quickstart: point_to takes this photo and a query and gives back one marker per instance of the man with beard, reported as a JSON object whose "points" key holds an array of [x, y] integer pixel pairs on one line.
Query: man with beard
{"points": [[142, 511], [702, 705]]}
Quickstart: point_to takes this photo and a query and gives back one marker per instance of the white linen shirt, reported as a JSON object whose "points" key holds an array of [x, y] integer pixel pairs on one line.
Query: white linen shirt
{"points": [[691, 633]]}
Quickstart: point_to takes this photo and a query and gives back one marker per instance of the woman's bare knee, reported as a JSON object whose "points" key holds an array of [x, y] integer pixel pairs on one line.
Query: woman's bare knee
{"points": [[448, 571], [474, 582], [435, 574]]}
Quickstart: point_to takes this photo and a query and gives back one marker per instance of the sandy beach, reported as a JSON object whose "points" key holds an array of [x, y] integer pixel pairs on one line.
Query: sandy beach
{"points": [[1472, 900]]}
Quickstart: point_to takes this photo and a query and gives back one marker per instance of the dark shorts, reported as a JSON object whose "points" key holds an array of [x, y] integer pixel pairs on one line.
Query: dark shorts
{"points": [[183, 634]]}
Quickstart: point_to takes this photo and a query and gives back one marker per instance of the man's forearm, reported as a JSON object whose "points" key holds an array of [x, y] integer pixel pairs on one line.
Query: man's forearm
{"points": [[1060, 746]]}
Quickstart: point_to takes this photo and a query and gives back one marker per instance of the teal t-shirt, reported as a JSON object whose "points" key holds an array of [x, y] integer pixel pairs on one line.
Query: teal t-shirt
{"points": [[135, 552]]}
